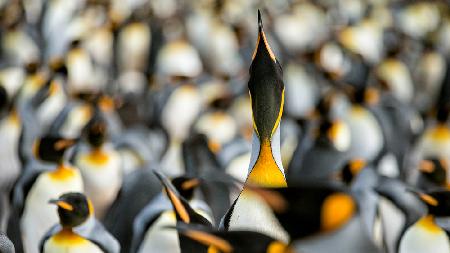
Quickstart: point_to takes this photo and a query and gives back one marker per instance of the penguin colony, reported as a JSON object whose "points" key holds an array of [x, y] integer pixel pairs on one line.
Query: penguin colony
{"points": [[210, 126]]}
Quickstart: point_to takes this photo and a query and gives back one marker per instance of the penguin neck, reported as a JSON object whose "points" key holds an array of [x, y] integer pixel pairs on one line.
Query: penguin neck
{"points": [[428, 223], [62, 172], [98, 155], [266, 169]]}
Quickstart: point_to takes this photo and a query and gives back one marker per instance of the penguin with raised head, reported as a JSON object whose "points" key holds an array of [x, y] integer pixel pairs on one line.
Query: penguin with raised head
{"points": [[78, 230], [425, 235], [150, 233], [100, 165], [249, 211], [40, 181]]}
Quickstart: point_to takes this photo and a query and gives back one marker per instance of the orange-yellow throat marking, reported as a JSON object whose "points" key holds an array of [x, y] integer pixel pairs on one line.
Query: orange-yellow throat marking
{"points": [[62, 173], [98, 157], [265, 172], [429, 225], [68, 237]]}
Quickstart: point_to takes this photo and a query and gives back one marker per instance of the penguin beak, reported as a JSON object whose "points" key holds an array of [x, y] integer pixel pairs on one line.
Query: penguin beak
{"points": [[262, 40], [426, 198], [63, 144], [209, 239], [62, 204], [189, 184]]}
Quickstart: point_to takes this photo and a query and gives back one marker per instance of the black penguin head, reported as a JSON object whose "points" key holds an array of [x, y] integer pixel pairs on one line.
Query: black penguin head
{"points": [[435, 170], [58, 66], [266, 87], [97, 131], [186, 186], [51, 148], [438, 202], [351, 169], [73, 209]]}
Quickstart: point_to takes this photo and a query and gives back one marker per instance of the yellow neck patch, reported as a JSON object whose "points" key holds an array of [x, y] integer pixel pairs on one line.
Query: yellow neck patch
{"points": [[337, 209], [62, 173], [68, 237], [429, 225], [98, 157], [439, 133], [265, 172]]}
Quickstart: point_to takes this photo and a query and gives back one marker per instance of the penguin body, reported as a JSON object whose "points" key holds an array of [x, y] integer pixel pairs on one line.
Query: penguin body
{"points": [[102, 175], [138, 189], [38, 216], [422, 231]]}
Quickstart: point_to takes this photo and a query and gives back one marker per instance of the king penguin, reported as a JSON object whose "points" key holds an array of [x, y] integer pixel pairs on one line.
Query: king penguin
{"points": [[266, 86], [100, 165], [77, 231], [425, 235], [37, 216]]}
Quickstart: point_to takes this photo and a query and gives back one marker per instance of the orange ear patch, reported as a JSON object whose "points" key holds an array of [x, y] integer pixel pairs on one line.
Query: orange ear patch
{"points": [[337, 209]]}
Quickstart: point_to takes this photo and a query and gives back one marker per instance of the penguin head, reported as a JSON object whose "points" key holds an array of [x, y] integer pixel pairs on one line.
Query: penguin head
{"points": [[4, 102], [97, 131], [186, 186], [58, 66], [435, 170], [334, 133], [438, 202], [266, 87], [73, 209], [51, 148], [351, 169], [183, 211]]}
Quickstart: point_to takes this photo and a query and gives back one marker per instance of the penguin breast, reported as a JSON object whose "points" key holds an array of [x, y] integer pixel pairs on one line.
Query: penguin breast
{"points": [[252, 213], [70, 242], [424, 236]]}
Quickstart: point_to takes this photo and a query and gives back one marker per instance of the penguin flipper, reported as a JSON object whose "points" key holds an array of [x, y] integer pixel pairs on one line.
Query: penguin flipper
{"points": [[95, 232], [138, 189], [146, 218]]}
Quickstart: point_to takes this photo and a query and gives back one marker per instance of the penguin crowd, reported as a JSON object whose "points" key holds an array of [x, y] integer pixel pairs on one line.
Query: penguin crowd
{"points": [[224, 126]]}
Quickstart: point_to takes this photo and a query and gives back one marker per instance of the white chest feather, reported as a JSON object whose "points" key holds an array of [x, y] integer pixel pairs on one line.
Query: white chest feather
{"points": [[10, 166], [38, 214], [159, 238], [366, 134], [420, 240], [102, 177], [252, 213]]}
